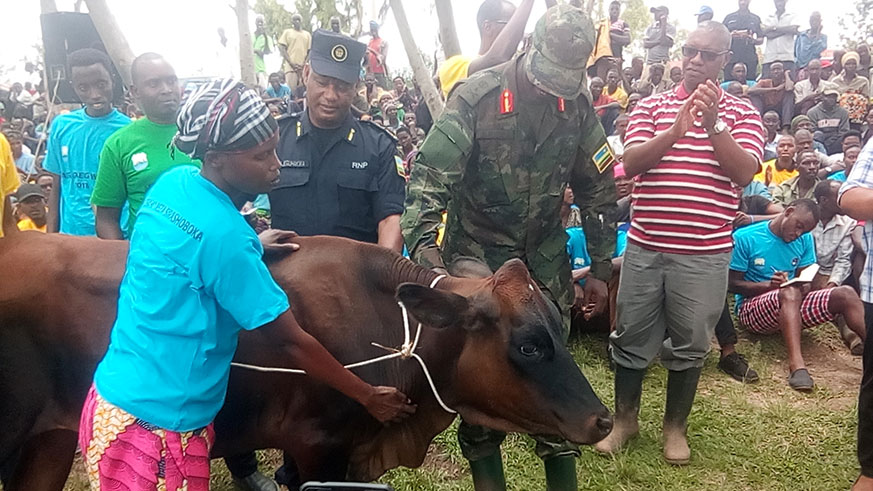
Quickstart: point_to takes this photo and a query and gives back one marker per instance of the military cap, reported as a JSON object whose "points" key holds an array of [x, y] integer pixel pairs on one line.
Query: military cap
{"points": [[562, 42], [337, 56]]}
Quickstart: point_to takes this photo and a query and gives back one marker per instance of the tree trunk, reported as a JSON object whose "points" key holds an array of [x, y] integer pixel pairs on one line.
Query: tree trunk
{"points": [[47, 6], [419, 69], [246, 55], [112, 37], [448, 34]]}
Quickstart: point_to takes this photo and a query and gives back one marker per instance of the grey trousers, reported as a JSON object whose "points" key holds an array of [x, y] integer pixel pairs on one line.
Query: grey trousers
{"points": [[668, 304]]}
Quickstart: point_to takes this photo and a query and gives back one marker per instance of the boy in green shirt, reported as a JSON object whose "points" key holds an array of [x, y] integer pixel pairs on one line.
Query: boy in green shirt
{"points": [[134, 157]]}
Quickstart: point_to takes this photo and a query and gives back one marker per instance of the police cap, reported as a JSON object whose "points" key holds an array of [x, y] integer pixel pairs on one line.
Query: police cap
{"points": [[336, 56]]}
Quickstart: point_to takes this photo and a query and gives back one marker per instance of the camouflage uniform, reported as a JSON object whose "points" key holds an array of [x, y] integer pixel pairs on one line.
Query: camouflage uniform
{"points": [[499, 162]]}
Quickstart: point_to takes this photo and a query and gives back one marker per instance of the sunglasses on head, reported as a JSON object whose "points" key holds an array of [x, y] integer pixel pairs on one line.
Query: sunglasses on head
{"points": [[691, 52]]}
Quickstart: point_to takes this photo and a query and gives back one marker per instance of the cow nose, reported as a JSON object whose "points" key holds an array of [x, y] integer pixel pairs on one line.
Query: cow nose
{"points": [[604, 424]]}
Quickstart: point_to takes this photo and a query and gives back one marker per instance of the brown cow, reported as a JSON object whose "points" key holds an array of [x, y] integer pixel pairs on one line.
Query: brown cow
{"points": [[489, 344]]}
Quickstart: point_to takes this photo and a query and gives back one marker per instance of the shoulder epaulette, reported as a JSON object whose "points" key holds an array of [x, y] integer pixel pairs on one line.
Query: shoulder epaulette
{"points": [[474, 88], [370, 124]]}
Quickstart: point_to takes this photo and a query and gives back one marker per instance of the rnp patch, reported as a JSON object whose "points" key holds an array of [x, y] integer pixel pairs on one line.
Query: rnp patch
{"points": [[603, 158]]}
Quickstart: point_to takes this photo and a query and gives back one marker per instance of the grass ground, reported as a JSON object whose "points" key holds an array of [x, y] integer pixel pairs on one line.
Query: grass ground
{"points": [[743, 437]]}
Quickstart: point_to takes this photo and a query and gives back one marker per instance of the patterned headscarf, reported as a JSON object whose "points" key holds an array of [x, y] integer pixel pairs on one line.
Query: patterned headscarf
{"points": [[222, 115]]}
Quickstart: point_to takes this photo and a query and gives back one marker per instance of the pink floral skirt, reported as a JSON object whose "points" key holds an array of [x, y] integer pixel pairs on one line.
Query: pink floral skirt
{"points": [[124, 453]]}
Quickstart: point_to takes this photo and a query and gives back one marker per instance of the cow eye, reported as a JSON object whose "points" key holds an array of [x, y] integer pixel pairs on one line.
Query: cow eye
{"points": [[529, 349]]}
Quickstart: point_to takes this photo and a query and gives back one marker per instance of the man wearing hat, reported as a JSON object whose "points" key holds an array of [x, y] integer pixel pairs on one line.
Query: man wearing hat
{"points": [[659, 37], [338, 176], [830, 120], [31, 205], [497, 159], [704, 14], [294, 44]]}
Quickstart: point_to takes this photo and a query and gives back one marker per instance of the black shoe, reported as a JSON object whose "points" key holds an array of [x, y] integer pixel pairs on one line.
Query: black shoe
{"points": [[800, 380], [737, 367], [255, 482]]}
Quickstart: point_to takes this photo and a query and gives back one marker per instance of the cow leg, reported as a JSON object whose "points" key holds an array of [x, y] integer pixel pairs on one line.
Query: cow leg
{"points": [[321, 463], [45, 462]]}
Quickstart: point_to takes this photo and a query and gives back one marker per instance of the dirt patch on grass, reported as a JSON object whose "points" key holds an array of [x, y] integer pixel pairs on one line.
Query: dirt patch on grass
{"points": [[438, 460]]}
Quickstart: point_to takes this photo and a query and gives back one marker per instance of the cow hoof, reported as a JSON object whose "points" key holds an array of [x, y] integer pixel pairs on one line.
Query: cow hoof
{"points": [[256, 482], [676, 450]]}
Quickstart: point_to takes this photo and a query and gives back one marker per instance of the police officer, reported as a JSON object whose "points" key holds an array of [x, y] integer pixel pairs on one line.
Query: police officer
{"points": [[498, 158], [338, 175]]}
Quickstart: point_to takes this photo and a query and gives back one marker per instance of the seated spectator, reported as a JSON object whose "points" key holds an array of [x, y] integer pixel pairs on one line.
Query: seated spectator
{"points": [[754, 208], [616, 140], [850, 156], [44, 181], [25, 162], [411, 122], [32, 208], [676, 75], [734, 88], [854, 90], [802, 122], [833, 250], [768, 254], [803, 184], [607, 108], [738, 74], [803, 140], [391, 116], [614, 89], [276, 89], [851, 138], [632, 100], [656, 83], [830, 120], [775, 93], [402, 94], [775, 171], [406, 149], [771, 122], [808, 92], [624, 187]]}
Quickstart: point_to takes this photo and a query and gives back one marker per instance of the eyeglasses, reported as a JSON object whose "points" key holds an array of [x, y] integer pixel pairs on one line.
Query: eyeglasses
{"points": [[691, 52]]}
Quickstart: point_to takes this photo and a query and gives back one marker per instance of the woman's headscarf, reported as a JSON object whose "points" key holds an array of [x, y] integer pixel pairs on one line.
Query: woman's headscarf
{"points": [[222, 115], [851, 55]]}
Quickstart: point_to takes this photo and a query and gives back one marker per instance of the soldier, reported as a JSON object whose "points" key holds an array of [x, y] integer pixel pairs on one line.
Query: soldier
{"points": [[498, 158]]}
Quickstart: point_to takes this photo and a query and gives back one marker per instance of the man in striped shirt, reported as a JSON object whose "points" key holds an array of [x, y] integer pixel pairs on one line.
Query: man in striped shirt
{"points": [[856, 199], [687, 148]]}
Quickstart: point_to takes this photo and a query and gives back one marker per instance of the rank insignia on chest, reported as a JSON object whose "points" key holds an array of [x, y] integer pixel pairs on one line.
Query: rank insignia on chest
{"points": [[507, 102], [560, 104], [299, 128], [602, 158]]}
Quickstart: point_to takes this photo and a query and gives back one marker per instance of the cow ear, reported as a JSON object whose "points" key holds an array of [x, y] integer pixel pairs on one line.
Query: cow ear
{"points": [[434, 308]]}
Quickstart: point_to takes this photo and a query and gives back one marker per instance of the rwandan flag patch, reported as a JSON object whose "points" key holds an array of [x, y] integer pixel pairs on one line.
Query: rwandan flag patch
{"points": [[603, 158]]}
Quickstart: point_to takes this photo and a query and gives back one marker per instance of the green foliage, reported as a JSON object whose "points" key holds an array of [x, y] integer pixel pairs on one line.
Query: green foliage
{"points": [[316, 14], [857, 26]]}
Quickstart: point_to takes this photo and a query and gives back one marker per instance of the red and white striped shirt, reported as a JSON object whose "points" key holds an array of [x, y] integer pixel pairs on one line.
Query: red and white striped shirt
{"points": [[686, 203]]}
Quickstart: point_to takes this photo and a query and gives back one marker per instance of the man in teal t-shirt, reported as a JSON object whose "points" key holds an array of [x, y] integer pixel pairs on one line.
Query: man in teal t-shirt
{"points": [[134, 157], [76, 140]]}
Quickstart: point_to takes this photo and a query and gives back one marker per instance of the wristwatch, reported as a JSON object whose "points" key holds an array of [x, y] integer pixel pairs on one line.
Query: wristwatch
{"points": [[718, 127]]}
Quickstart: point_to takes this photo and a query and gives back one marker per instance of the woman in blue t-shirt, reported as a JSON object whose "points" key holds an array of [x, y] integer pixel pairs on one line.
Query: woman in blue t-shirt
{"points": [[194, 279]]}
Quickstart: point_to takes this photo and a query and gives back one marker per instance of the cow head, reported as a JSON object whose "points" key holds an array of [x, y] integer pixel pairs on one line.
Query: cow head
{"points": [[513, 372]]}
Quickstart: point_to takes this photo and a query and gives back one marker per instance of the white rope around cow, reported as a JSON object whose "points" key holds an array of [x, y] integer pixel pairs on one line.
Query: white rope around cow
{"points": [[407, 350]]}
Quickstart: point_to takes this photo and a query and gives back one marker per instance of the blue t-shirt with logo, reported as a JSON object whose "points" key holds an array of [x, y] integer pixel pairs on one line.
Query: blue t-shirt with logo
{"points": [[73, 153], [577, 246], [759, 253], [195, 277]]}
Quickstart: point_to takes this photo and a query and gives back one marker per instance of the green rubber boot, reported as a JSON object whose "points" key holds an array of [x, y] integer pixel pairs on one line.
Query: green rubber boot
{"points": [[681, 388], [561, 473], [488, 473]]}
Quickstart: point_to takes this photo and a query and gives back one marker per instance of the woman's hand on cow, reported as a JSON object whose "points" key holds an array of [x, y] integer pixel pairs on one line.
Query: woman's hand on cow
{"points": [[278, 242], [388, 405]]}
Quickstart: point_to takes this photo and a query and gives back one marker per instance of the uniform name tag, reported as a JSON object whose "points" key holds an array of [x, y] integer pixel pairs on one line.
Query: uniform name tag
{"points": [[294, 163], [360, 165]]}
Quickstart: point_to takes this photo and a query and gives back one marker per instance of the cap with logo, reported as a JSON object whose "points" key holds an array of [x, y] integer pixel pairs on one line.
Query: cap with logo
{"points": [[704, 9], [27, 190], [337, 56], [562, 42], [830, 91]]}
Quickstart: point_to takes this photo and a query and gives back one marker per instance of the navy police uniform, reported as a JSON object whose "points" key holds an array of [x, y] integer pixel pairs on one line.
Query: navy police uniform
{"points": [[340, 181]]}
